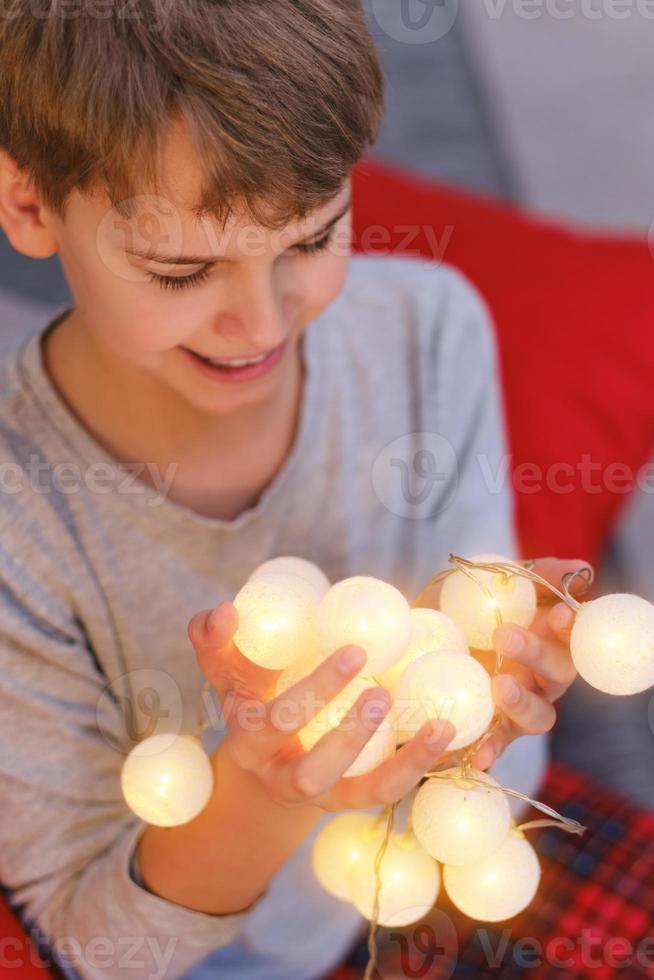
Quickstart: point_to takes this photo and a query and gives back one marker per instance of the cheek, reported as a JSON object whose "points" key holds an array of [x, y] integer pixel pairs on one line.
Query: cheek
{"points": [[324, 281], [127, 314]]}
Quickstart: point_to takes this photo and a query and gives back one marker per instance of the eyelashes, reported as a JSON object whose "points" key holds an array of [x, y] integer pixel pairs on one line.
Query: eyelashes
{"points": [[186, 282], [181, 282]]}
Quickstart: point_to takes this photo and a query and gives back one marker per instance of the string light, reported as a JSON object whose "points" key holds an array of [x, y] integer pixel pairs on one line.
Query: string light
{"points": [[458, 821], [612, 643], [290, 618], [167, 780], [431, 631], [475, 600], [369, 613], [291, 565], [276, 619], [410, 882], [339, 846], [445, 685], [499, 886]]}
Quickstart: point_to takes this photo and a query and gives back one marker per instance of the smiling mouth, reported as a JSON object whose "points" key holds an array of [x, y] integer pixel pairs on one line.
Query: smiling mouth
{"points": [[236, 362]]}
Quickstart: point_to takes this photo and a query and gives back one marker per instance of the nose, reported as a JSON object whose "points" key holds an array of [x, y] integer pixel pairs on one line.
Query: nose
{"points": [[261, 314]]}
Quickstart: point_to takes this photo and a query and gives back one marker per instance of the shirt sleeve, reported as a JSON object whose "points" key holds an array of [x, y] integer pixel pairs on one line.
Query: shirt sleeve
{"points": [[67, 838]]}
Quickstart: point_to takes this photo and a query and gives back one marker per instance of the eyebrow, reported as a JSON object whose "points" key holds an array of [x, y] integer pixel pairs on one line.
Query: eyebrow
{"points": [[207, 259]]}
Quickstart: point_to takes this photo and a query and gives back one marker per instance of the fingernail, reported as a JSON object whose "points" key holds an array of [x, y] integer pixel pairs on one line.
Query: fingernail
{"points": [[214, 616], [351, 658], [440, 731], [376, 705], [485, 757], [509, 690], [561, 616], [513, 642]]}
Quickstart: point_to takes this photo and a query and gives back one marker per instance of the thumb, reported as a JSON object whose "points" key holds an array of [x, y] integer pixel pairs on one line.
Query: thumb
{"points": [[212, 631]]}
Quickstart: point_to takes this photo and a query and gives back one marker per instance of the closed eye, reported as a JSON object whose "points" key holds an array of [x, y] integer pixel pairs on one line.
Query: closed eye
{"points": [[181, 282], [321, 245], [185, 282]]}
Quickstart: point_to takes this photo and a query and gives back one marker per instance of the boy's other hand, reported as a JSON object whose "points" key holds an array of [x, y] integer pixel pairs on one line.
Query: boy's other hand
{"points": [[537, 668], [262, 727]]}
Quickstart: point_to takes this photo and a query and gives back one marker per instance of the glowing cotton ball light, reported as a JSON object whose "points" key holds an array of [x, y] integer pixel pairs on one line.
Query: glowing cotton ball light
{"points": [[369, 613], [379, 747], [167, 780], [339, 846], [276, 620], [464, 601], [445, 685], [500, 886], [459, 822], [290, 565], [612, 644], [410, 882], [431, 631]]}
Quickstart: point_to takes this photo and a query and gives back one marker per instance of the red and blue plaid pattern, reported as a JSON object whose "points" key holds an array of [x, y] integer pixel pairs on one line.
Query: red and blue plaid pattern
{"points": [[593, 916]]}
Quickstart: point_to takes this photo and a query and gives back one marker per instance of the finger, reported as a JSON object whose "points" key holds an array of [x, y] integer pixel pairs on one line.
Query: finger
{"points": [[213, 629], [296, 705], [396, 777], [324, 765], [529, 713], [561, 619], [553, 569], [281, 717], [493, 748], [545, 657]]}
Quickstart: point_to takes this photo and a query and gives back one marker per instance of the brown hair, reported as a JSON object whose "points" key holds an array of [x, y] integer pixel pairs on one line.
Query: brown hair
{"points": [[281, 97]]}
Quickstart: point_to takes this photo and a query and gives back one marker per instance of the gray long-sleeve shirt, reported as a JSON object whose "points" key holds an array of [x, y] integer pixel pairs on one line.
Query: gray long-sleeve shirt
{"points": [[394, 465]]}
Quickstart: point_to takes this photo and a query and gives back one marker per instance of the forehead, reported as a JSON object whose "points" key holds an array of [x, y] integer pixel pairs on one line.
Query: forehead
{"points": [[180, 193]]}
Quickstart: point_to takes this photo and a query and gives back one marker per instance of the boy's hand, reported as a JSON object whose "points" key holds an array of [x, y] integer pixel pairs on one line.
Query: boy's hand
{"points": [[538, 667], [262, 729]]}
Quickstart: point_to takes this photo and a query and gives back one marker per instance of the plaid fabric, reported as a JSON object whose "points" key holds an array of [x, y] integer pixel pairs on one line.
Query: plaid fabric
{"points": [[593, 916]]}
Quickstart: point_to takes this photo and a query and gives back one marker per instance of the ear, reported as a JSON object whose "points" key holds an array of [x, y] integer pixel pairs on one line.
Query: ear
{"points": [[22, 215]]}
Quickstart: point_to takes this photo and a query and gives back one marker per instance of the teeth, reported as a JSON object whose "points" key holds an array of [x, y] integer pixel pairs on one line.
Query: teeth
{"points": [[238, 363]]}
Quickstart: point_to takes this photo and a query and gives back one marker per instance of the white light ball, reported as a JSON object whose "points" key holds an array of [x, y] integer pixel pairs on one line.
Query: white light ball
{"points": [[276, 620], [290, 565], [431, 631], [612, 643], [445, 685], [339, 846], [464, 601], [498, 887], [369, 613], [167, 782], [410, 882], [379, 747], [459, 822]]}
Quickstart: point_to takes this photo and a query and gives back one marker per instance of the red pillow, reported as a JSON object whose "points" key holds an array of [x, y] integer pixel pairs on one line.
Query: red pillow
{"points": [[574, 314], [18, 957]]}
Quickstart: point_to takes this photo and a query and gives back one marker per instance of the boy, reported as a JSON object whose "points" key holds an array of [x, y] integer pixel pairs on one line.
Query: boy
{"points": [[181, 423]]}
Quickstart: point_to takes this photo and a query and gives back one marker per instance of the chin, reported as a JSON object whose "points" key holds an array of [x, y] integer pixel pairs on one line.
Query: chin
{"points": [[226, 399]]}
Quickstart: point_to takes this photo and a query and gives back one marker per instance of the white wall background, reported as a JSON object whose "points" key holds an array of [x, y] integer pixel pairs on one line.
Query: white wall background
{"points": [[574, 99]]}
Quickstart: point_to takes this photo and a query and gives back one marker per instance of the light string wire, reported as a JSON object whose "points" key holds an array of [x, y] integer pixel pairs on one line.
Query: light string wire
{"points": [[553, 819]]}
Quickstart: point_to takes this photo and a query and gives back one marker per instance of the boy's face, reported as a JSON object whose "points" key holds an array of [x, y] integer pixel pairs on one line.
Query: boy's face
{"points": [[205, 292]]}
